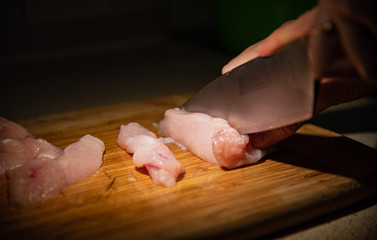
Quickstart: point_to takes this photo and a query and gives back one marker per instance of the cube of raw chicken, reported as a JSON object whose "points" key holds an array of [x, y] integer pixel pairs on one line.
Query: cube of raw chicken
{"points": [[81, 159]]}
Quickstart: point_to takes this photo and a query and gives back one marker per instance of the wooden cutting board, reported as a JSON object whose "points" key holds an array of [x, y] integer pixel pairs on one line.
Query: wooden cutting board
{"points": [[315, 172]]}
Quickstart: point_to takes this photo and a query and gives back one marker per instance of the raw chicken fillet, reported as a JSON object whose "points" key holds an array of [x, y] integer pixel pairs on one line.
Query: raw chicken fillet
{"points": [[211, 139]]}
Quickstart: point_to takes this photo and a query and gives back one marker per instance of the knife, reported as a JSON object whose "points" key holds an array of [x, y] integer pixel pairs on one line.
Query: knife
{"points": [[262, 94]]}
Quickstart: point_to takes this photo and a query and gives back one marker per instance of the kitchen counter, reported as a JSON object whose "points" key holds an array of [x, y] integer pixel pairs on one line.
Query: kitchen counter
{"points": [[61, 82]]}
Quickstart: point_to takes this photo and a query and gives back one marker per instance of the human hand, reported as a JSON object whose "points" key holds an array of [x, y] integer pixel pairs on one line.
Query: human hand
{"points": [[331, 90]]}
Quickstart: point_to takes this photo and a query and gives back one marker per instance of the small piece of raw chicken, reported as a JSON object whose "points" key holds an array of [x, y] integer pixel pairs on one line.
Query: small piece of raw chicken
{"points": [[10, 129], [38, 170], [47, 176], [211, 139], [82, 158], [17, 145], [36, 180], [151, 153]]}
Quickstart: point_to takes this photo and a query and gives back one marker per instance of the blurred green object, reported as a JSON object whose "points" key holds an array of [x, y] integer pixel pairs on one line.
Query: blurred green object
{"points": [[241, 23]]}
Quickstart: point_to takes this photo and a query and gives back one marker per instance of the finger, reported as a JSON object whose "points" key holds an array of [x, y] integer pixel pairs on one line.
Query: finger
{"points": [[288, 32], [247, 55], [269, 138]]}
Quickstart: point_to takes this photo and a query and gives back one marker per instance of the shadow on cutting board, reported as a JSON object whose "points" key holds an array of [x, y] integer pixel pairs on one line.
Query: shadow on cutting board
{"points": [[336, 155]]}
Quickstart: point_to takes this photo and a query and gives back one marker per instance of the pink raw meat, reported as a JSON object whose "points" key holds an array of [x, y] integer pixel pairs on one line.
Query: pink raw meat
{"points": [[10, 162], [17, 145], [45, 177], [36, 180], [15, 152], [211, 139], [46, 150], [82, 158], [10, 129], [38, 170], [150, 153], [25, 148]]}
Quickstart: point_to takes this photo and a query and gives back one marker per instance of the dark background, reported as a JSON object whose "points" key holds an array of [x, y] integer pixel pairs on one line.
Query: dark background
{"points": [[66, 55]]}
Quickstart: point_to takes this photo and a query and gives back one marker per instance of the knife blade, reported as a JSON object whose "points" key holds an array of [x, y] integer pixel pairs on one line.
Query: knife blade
{"points": [[262, 94]]}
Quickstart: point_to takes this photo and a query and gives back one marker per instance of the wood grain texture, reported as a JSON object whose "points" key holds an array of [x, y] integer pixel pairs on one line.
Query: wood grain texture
{"points": [[313, 173]]}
